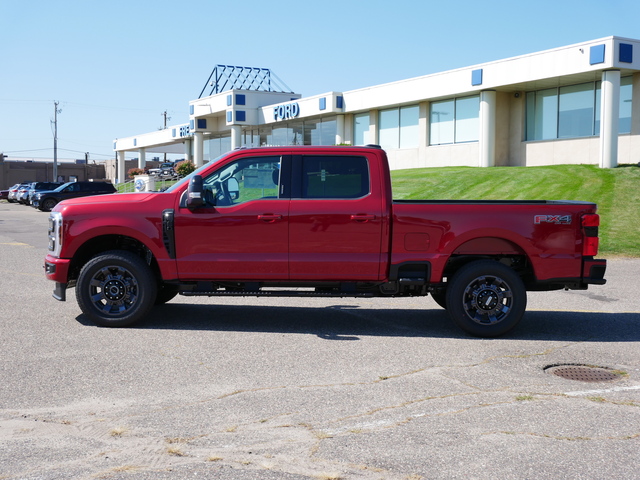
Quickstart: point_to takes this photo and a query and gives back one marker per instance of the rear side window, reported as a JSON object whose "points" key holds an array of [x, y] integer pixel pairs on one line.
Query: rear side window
{"points": [[335, 177]]}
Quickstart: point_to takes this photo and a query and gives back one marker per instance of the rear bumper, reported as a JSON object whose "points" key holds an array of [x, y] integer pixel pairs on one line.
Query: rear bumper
{"points": [[593, 272]]}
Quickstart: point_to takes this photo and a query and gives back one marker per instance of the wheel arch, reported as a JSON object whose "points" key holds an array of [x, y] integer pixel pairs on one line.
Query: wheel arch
{"points": [[107, 242], [504, 250]]}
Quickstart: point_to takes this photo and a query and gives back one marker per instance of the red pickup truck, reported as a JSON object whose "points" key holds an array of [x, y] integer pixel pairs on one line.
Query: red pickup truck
{"points": [[316, 221]]}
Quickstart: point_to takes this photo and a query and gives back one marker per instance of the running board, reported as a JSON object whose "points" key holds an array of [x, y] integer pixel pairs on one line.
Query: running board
{"points": [[274, 293]]}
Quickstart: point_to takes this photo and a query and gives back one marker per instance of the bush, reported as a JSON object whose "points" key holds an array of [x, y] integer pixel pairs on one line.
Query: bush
{"points": [[134, 171], [184, 168]]}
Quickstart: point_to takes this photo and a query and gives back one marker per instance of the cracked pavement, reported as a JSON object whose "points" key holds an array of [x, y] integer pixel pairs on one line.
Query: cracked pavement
{"points": [[310, 388]]}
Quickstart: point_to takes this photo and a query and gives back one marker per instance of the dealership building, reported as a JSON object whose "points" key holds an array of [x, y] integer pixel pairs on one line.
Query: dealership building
{"points": [[569, 105]]}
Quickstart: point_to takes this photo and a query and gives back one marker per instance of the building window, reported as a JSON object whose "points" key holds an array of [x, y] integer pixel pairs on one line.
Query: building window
{"points": [[320, 132], [361, 129], [398, 127], [573, 111], [216, 146], [455, 121], [576, 108]]}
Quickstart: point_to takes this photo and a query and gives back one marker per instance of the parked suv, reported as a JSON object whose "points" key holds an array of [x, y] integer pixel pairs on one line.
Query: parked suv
{"points": [[46, 200], [26, 196]]}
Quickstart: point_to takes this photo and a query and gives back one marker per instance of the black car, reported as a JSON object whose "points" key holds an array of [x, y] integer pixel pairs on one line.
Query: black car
{"points": [[46, 200]]}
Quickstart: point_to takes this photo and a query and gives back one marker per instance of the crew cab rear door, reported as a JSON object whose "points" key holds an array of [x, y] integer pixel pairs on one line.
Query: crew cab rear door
{"points": [[335, 221], [242, 230]]}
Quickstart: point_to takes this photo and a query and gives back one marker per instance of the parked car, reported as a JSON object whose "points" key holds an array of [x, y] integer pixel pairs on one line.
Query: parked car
{"points": [[23, 193], [46, 200], [164, 170], [4, 194], [13, 192], [36, 187]]}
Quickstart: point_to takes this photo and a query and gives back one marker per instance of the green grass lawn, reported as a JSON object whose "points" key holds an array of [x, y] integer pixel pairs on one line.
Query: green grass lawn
{"points": [[616, 191]]}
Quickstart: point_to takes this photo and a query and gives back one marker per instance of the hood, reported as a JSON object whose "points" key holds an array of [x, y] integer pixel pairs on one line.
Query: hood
{"points": [[110, 198]]}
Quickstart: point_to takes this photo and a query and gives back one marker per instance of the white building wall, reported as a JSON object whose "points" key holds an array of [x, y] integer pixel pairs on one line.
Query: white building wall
{"points": [[510, 78]]}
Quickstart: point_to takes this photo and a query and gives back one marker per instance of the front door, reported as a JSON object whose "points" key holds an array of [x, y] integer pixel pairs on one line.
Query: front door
{"points": [[241, 233]]}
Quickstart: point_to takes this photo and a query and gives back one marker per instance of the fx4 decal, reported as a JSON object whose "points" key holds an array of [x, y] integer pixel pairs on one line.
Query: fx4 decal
{"points": [[557, 219]]}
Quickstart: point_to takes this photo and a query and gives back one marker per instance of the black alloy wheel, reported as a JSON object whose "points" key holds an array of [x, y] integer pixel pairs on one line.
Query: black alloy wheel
{"points": [[486, 298], [116, 289]]}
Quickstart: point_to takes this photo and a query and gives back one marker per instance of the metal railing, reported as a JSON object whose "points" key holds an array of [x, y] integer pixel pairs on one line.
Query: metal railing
{"points": [[161, 184]]}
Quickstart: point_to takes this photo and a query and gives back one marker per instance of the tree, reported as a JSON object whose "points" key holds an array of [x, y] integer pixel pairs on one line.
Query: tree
{"points": [[132, 172], [185, 168]]}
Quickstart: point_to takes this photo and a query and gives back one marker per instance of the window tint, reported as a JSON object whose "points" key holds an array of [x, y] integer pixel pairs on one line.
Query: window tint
{"points": [[334, 177], [242, 181]]}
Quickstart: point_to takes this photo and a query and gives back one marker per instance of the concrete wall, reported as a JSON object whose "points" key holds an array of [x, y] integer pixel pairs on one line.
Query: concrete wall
{"points": [[18, 172]]}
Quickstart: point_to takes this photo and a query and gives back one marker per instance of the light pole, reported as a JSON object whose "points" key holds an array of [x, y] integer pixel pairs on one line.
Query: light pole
{"points": [[55, 140]]}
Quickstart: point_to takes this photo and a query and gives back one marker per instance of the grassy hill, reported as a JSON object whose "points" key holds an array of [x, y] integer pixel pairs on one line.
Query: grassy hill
{"points": [[616, 191]]}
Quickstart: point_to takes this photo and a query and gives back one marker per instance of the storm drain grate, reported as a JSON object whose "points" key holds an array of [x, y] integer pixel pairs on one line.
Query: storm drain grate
{"points": [[583, 373]]}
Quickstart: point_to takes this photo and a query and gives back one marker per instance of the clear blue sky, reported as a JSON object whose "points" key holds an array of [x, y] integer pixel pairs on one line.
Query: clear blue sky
{"points": [[116, 65]]}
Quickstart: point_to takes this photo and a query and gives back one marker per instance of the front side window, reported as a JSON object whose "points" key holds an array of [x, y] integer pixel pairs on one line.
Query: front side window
{"points": [[334, 177], [242, 181]]}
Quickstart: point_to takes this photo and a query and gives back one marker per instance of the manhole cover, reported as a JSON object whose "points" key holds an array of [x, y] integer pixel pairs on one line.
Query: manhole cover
{"points": [[583, 373]]}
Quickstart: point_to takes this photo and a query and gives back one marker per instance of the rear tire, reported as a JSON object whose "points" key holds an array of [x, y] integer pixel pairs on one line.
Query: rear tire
{"points": [[116, 289], [486, 298]]}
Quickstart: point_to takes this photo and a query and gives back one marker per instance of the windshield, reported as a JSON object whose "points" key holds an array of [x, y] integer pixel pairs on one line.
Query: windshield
{"points": [[187, 179], [61, 187]]}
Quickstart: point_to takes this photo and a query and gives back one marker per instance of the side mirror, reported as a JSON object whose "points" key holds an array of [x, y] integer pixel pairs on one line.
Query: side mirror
{"points": [[194, 192], [234, 188]]}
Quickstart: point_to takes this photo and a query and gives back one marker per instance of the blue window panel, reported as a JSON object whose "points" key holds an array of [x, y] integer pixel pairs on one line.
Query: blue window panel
{"points": [[596, 54], [241, 99], [323, 103], [173, 132], [229, 100], [229, 117], [241, 116], [626, 53], [114, 145], [191, 109], [135, 142], [339, 101], [476, 77], [202, 123], [192, 125]]}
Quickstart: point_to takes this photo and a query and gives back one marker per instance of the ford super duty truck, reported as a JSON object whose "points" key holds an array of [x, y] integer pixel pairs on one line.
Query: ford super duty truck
{"points": [[316, 221]]}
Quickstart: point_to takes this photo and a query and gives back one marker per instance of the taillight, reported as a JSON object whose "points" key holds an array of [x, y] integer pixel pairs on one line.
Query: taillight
{"points": [[590, 224]]}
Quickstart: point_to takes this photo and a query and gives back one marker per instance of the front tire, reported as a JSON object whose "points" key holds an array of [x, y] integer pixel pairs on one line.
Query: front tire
{"points": [[116, 289], [48, 204], [486, 298]]}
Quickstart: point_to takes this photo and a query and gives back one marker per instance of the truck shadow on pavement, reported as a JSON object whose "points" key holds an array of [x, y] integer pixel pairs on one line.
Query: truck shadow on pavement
{"points": [[350, 322]]}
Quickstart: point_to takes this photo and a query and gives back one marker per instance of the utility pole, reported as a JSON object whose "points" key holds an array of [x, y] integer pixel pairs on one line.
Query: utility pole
{"points": [[164, 127], [55, 140]]}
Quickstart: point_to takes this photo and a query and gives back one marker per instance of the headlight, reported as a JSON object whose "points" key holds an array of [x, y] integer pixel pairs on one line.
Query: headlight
{"points": [[55, 233]]}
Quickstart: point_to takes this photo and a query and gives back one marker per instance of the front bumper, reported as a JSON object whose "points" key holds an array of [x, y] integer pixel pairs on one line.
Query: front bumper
{"points": [[57, 269]]}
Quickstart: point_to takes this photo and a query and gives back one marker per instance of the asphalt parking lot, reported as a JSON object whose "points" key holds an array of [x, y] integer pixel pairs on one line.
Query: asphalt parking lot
{"points": [[310, 388]]}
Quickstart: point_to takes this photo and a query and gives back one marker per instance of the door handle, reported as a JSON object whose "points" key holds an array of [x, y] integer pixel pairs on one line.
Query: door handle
{"points": [[362, 218], [269, 217]]}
